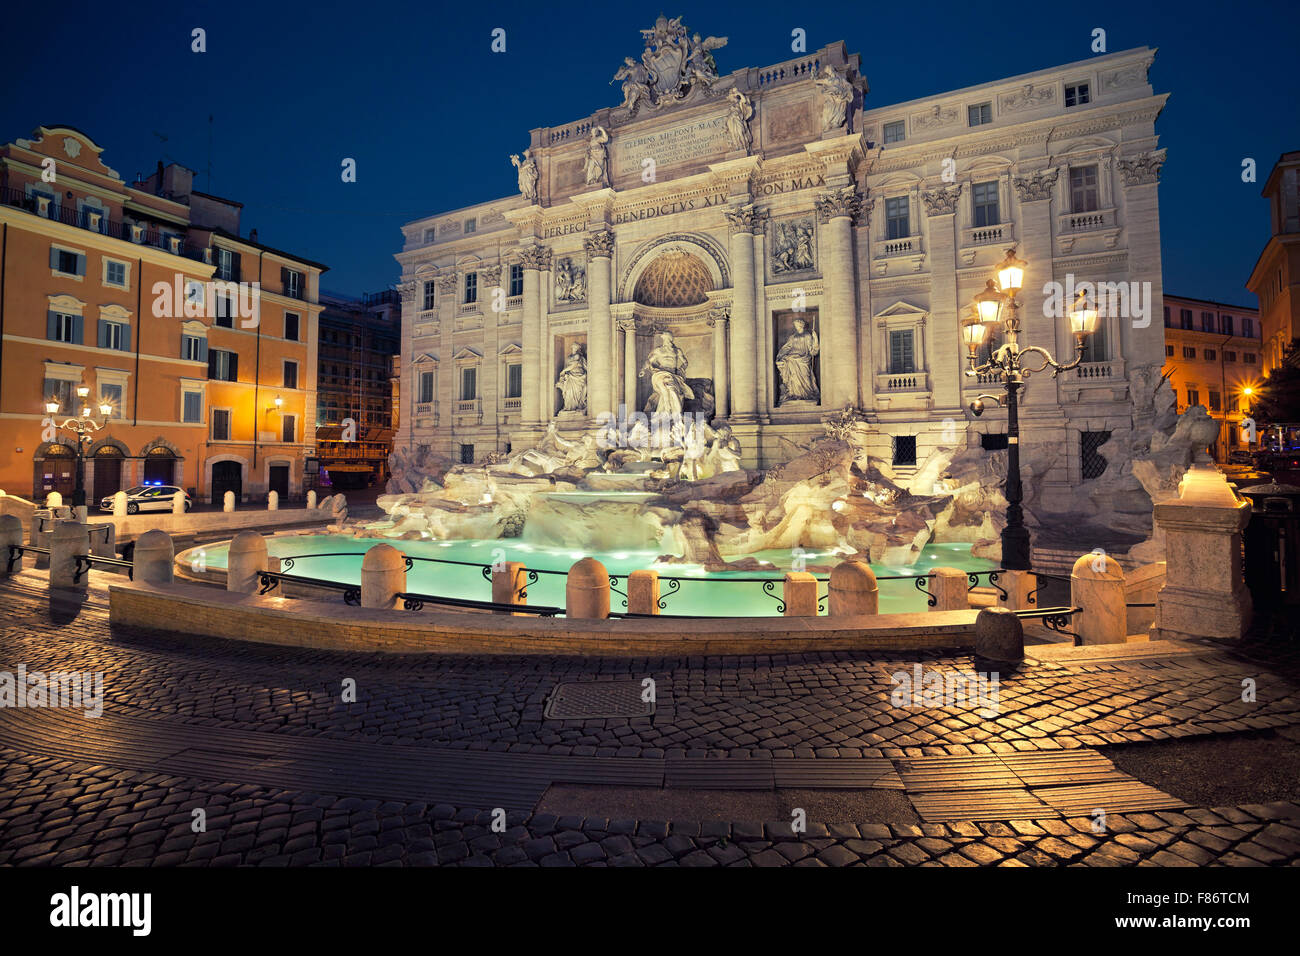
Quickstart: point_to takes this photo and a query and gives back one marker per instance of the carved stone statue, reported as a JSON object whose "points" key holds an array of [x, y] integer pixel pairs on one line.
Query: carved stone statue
{"points": [[724, 453], [636, 84], [596, 168], [527, 175], [570, 282], [572, 381], [740, 112], [667, 367], [837, 94], [794, 362]]}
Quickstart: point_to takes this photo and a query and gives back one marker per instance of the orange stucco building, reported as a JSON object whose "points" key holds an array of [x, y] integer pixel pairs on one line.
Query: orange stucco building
{"points": [[202, 340]]}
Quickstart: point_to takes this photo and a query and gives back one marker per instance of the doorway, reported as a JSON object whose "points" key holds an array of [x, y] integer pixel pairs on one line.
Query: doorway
{"points": [[108, 472], [227, 476], [279, 481]]}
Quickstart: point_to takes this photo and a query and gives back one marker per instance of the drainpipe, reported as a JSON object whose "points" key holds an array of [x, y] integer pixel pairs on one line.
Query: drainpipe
{"points": [[4, 263], [257, 365], [139, 334]]}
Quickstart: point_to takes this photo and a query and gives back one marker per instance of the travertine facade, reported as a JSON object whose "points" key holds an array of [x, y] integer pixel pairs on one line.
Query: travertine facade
{"points": [[725, 208]]}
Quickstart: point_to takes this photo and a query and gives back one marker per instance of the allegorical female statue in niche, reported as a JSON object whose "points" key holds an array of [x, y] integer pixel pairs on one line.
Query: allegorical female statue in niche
{"points": [[794, 362], [667, 368], [572, 381]]}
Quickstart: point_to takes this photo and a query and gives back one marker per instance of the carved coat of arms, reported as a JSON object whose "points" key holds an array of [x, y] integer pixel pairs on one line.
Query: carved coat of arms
{"points": [[672, 64]]}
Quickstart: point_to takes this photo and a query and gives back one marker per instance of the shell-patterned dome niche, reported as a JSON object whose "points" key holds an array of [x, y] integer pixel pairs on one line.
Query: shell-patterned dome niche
{"points": [[674, 280]]}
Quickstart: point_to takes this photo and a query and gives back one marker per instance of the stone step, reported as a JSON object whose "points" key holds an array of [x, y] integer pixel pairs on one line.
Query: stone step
{"points": [[1137, 638]]}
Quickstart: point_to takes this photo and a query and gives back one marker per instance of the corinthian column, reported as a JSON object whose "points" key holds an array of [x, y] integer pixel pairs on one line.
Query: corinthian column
{"points": [[534, 258], [600, 338], [836, 209], [744, 343]]}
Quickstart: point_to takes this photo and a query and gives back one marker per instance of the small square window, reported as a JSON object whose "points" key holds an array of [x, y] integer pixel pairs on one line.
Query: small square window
{"points": [[904, 449], [1189, 352], [1076, 95], [895, 132], [115, 273], [471, 225], [979, 115], [1169, 351]]}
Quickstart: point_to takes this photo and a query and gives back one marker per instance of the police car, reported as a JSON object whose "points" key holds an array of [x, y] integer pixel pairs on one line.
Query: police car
{"points": [[147, 497]]}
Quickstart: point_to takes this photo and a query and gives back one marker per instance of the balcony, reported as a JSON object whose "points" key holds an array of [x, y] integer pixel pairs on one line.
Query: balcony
{"points": [[1099, 223], [427, 410], [468, 308], [988, 235], [512, 404], [140, 234], [904, 252], [902, 382]]}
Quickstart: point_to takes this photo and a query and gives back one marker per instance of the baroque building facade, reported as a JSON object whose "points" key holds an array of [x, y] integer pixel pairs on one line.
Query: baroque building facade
{"points": [[806, 249]]}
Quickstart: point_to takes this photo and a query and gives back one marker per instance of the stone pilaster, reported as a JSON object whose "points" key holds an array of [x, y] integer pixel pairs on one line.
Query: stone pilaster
{"points": [[534, 258], [1144, 344], [600, 340], [944, 359], [628, 328], [744, 364], [836, 210], [718, 321]]}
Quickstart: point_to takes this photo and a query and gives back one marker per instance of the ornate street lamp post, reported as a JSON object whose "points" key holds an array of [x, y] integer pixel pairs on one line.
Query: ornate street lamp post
{"points": [[85, 425], [998, 305]]}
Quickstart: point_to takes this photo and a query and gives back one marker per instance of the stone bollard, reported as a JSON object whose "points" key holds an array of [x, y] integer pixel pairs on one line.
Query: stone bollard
{"points": [[228, 501], [643, 592], [508, 579], [1205, 593], [119, 504], [54, 500], [999, 636], [103, 540], [853, 589], [800, 594], [273, 501], [586, 590], [154, 556], [1097, 586], [1018, 585], [311, 499], [948, 587], [178, 503], [68, 541], [246, 559], [383, 576], [11, 533]]}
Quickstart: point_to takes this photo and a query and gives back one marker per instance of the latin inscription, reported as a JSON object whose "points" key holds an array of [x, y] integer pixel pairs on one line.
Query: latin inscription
{"points": [[695, 142]]}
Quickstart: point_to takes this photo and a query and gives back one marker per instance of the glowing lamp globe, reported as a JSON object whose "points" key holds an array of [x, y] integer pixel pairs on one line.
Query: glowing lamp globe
{"points": [[1011, 273]]}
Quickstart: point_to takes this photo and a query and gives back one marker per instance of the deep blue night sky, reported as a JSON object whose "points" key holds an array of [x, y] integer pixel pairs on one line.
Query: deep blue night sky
{"points": [[415, 95]]}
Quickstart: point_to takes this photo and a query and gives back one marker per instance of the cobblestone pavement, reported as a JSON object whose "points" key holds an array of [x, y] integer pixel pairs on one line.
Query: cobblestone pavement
{"points": [[56, 808]]}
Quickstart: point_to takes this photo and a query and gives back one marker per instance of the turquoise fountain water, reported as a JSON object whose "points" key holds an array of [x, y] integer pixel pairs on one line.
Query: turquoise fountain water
{"points": [[699, 592]]}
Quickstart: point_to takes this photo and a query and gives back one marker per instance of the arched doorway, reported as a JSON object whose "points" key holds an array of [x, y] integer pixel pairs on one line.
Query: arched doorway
{"points": [[108, 460], [55, 467], [226, 476], [159, 466]]}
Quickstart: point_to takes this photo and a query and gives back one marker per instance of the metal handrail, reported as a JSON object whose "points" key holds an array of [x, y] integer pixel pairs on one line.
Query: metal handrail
{"points": [[16, 551], [270, 580], [1053, 618], [84, 562], [413, 601]]}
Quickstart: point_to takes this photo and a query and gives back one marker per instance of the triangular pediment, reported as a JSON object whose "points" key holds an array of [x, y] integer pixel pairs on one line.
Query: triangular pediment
{"points": [[901, 308]]}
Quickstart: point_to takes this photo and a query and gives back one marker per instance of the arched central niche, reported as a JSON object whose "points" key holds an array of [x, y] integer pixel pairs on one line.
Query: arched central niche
{"points": [[675, 279]]}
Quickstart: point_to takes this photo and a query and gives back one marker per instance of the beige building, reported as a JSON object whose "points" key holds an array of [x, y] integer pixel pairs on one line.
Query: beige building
{"points": [[1212, 355], [807, 248]]}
